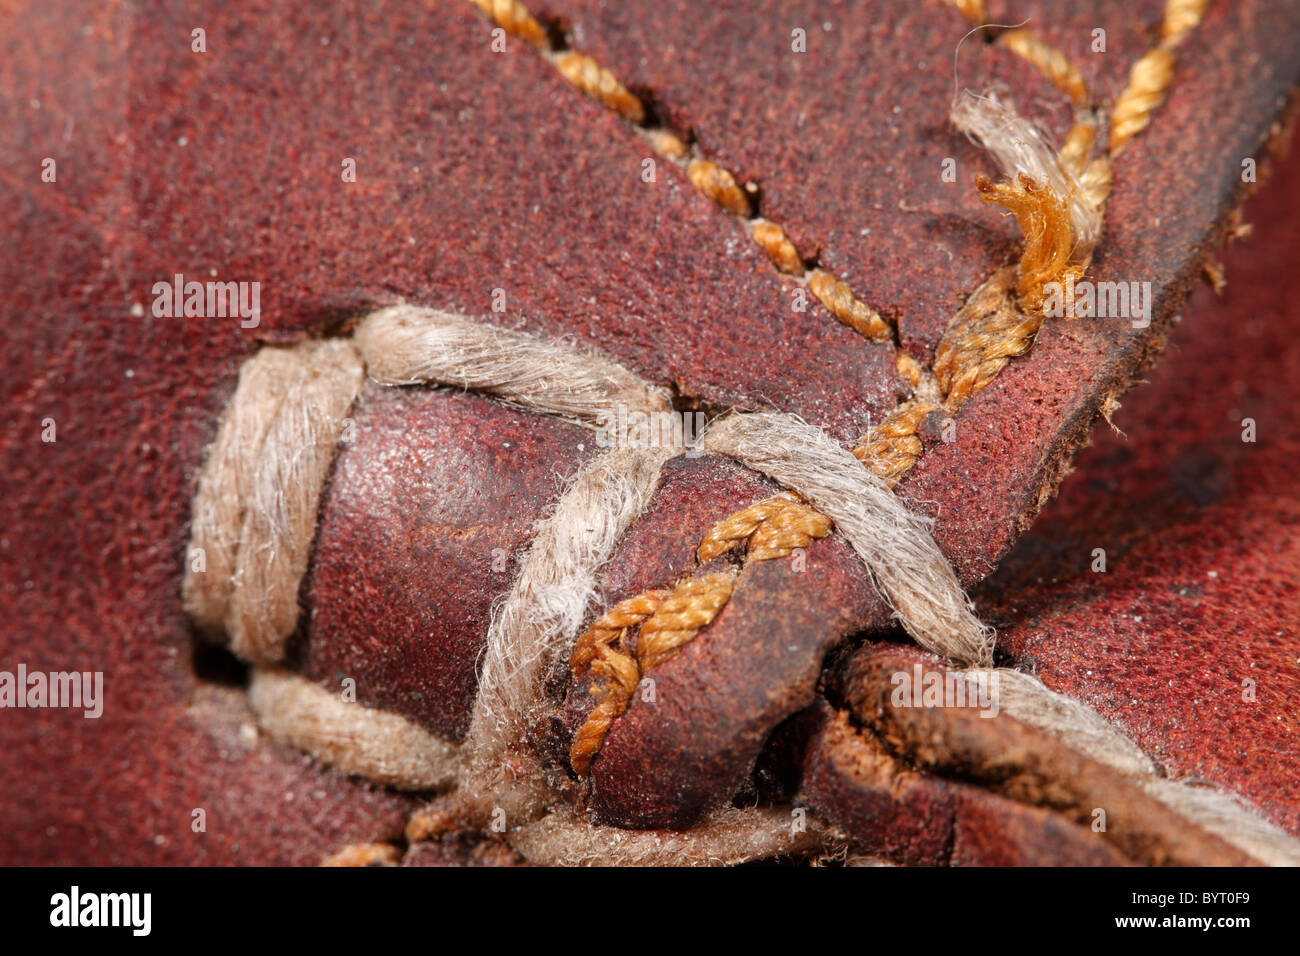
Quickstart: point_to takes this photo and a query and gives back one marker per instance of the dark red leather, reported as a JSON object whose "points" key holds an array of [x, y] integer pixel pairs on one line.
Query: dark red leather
{"points": [[479, 171], [1201, 533]]}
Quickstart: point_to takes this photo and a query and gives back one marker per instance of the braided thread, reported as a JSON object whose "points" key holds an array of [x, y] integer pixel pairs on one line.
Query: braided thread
{"points": [[891, 448], [601, 651], [1181, 18], [597, 82], [690, 608], [774, 527], [841, 303], [1148, 81], [1073, 156], [772, 239], [1150, 77], [611, 627], [719, 185], [986, 334], [669, 620], [512, 17], [1050, 61]]}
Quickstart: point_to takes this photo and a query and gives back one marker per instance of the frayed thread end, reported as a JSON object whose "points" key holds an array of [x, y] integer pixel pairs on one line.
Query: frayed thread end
{"points": [[1058, 216]]}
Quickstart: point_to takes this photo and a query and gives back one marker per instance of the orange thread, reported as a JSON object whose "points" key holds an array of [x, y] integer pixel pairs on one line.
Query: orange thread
{"points": [[841, 303], [596, 81], [774, 527], [1148, 81], [690, 608], [987, 332], [1073, 156], [667, 144], [1044, 220], [365, 854], [511, 16], [1150, 77], [669, 620], [1181, 18], [602, 651], [1051, 62], [772, 239], [909, 369], [611, 627], [1096, 181], [972, 10], [892, 447], [719, 185]]}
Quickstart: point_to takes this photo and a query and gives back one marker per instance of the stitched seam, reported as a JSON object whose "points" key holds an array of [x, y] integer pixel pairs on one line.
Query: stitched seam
{"points": [[707, 176], [986, 333], [701, 600], [980, 341], [665, 621]]}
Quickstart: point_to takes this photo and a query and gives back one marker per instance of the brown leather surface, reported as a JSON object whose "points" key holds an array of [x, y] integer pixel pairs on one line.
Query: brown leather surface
{"points": [[668, 760], [171, 162], [1201, 533], [1004, 756], [432, 505], [845, 141], [478, 171], [916, 819]]}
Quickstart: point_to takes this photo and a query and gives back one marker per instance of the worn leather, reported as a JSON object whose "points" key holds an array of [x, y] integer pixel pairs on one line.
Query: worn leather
{"points": [[479, 171]]}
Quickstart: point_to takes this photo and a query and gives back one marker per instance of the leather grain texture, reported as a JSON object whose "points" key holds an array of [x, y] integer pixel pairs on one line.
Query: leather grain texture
{"points": [[480, 171]]}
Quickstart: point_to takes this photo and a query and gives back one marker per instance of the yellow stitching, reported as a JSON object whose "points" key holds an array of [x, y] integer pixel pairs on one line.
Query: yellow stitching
{"points": [[987, 332], [1096, 181], [1181, 18], [1073, 156], [511, 16], [669, 620], [597, 82], [909, 369], [891, 448], [610, 628], [972, 10], [1150, 77], [772, 239], [841, 302], [1146, 88], [993, 327], [365, 854], [668, 145], [774, 527], [690, 608], [601, 651], [719, 185], [1051, 62]]}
